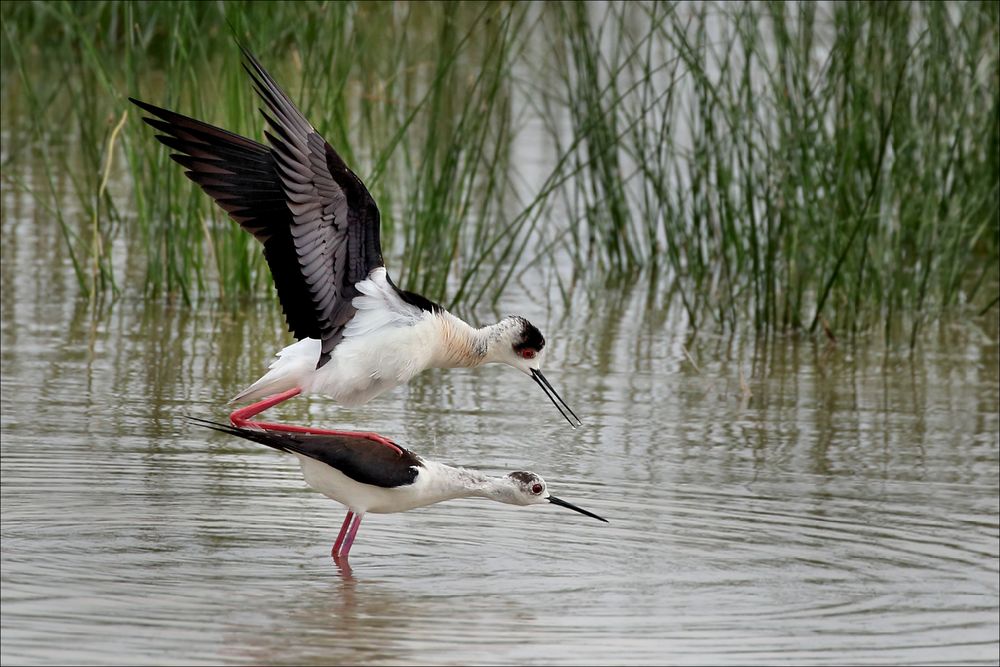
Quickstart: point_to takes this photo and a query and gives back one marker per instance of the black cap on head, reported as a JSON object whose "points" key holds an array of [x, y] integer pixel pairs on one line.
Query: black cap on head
{"points": [[530, 337], [524, 477]]}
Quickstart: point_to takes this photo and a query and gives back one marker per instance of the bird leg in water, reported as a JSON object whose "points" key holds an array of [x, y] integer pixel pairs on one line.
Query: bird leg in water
{"points": [[241, 418], [340, 536], [350, 536]]}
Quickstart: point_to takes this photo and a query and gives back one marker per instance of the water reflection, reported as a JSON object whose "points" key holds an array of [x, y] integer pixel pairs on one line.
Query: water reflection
{"points": [[805, 501]]}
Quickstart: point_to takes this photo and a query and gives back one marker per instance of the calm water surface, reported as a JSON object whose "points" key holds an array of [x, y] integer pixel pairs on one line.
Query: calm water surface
{"points": [[796, 502]]}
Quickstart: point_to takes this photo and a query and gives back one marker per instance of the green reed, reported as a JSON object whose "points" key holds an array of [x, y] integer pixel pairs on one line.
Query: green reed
{"points": [[781, 166], [806, 166]]}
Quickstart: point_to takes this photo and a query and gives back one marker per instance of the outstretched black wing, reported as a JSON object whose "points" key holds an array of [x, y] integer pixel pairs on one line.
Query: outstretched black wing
{"points": [[335, 228], [317, 221], [241, 176]]}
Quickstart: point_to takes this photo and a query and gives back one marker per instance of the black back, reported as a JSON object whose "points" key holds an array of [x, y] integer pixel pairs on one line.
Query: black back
{"points": [[357, 457]]}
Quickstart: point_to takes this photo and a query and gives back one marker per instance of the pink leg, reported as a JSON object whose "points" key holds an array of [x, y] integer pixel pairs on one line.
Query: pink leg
{"points": [[340, 536], [350, 536], [241, 418]]}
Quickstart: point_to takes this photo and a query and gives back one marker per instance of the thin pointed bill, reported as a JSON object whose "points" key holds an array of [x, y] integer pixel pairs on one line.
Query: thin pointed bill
{"points": [[556, 399], [563, 503]]}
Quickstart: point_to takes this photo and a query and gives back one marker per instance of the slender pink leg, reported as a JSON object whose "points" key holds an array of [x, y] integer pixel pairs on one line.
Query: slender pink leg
{"points": [[241, 418], [340, 536], [350, 536]]}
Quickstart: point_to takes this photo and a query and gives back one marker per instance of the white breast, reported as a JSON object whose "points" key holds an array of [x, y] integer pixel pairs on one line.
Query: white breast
{"points": [[367, 498], [357, 496], [361, 368], [385, 344]]}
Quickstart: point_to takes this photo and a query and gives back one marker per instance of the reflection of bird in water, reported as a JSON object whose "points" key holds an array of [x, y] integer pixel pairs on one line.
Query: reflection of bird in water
{"points": [[358, 334], [389, 478]]}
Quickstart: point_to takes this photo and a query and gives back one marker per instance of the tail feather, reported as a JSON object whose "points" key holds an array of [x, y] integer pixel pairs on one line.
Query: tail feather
{"points": [[269, 438], [289, 370]]}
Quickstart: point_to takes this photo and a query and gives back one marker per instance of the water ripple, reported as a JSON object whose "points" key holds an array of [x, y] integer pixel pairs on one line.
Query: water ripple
{"points": [[836, 521]]}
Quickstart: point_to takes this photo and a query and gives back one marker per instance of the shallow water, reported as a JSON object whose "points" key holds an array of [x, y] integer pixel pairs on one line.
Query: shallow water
{"points": [[798, 502]]}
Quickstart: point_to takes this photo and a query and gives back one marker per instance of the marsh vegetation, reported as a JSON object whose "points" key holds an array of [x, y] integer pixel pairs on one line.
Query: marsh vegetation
{"points": [[772, 166]]}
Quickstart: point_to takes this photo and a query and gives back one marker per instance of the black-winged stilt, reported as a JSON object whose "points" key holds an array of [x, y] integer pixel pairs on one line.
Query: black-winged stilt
{"points": [[385, 479], [358, 334]]}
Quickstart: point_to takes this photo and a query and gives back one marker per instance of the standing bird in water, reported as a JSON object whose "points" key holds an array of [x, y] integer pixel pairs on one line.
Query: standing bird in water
{"points": [[388, 479], [358, 334]]}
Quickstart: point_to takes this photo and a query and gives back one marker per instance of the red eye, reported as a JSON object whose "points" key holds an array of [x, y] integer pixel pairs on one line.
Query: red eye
{"points": [[537, 488], [528, 353]]}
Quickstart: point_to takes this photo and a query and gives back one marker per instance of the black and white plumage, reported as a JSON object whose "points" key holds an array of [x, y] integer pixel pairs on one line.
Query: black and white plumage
{"points": [[367, 477], [358, 334]]}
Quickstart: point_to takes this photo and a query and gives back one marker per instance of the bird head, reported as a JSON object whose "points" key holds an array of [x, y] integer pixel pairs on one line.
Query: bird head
{"points": [[527, 488], [518, 343]]}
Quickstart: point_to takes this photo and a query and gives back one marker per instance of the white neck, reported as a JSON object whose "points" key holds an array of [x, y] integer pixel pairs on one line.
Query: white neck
{"points": [[461, 345], [450, 482]]}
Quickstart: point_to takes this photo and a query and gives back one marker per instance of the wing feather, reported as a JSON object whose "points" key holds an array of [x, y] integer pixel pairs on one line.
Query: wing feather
{"points": [[331, 210], [357, 457], [241, 176], [317, 221]]}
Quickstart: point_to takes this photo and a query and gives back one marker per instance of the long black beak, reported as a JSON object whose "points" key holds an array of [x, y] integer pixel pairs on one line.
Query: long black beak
{"points": [[556, 399], [563, 503]]}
